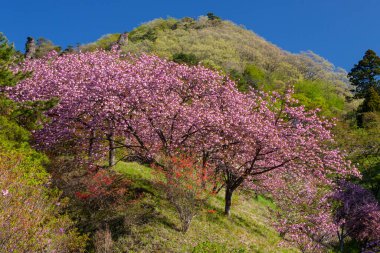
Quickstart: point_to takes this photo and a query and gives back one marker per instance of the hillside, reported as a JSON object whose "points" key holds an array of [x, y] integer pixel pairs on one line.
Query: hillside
{"points": [[192, 135], [225, 44], [152, 223], [245, 56]]}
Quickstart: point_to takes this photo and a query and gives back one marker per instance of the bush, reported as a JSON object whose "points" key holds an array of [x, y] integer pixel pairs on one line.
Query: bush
{"points": [[103, 241], [30, 219], [369, 119], [319, 94], [189, 59], [185, 186]]}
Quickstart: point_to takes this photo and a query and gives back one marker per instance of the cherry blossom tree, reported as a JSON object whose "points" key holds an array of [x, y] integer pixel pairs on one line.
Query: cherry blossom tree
{"points": [[357, 214], [273, 137], [145, 104], [303, 214], [153, 107]]}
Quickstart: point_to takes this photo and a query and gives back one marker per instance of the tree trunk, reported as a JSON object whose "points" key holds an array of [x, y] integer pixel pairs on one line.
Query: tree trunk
{"points": [[203, 182], [204, 170], [111, 150], [228, 200], [341, 241], [91, 144]]}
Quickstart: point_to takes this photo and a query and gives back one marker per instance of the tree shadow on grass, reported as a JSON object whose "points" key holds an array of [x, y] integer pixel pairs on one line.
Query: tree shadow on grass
{"points": [[220, 218], [252, 228], [152, 190], [165, 221]]}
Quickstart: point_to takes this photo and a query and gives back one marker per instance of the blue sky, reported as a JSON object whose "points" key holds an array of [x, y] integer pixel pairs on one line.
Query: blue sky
{"points": [[338, 30]]}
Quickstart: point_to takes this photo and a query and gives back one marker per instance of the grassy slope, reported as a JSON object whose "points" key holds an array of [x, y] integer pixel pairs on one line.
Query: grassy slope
{"points": [[247, 229]]}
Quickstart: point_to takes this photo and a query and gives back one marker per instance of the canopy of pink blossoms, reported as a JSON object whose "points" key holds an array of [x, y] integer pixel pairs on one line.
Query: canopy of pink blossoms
{"points": [[154, 107]]}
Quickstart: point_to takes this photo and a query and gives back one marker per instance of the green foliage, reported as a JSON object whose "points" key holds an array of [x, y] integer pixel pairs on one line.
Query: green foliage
{"points": [[143, 33], [104, 42], [70, 49], [252, 77], [369, 120], [30, 219], [29, 114], [44, 46], [371, 174], [135, 171], [255, 74], [371, 102], [318, 94], [14, 144], [368, 113], [8, 57], [213, 19], [212, 16], [360, 134], [365, 74], [185, 24], [220, 45], [28, 45], [12, 134], [239, 80], [362, 146], [211, 65], [150, 30], [189, 59]]}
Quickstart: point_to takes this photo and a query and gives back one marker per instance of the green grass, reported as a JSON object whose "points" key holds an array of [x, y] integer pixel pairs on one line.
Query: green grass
{"points": [[135, 171], [153, 225]]}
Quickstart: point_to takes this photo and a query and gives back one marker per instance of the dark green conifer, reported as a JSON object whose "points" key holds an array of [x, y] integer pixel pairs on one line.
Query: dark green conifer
{"points": [[365, 74]]}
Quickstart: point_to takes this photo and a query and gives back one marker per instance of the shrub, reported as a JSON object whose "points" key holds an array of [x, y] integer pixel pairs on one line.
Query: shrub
{"points": [[29, 212], [185, 184], [103, 241], [189, 59]]}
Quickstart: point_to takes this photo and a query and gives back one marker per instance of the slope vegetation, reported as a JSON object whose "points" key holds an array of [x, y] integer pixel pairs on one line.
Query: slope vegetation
{"points": [[152, 223]]}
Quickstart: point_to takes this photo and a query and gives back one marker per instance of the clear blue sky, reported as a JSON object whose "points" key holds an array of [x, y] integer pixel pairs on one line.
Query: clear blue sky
{"points": [[338, 30]]}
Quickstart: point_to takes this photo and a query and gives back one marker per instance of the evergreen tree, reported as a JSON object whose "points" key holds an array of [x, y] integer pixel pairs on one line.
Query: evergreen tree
{"points": [[365, 74], [28, 114], [212, 16], [8, 56], [372, 101]]}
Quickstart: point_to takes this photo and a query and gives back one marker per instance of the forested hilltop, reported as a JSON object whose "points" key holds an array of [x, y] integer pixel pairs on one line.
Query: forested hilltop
{"points": [[187, 135]]}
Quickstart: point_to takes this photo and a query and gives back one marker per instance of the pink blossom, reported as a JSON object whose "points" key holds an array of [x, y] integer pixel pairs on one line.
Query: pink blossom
{"points": [[5, 192]]}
